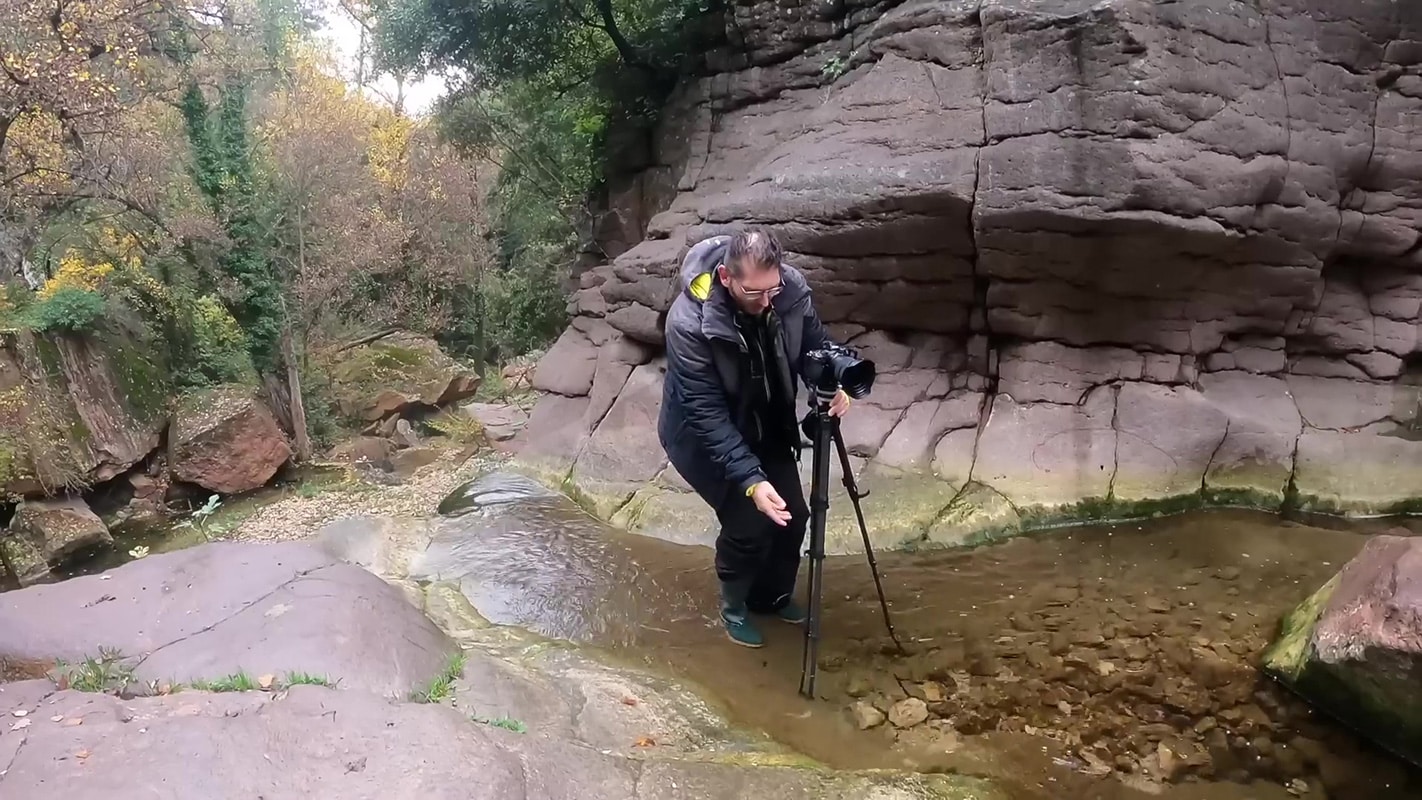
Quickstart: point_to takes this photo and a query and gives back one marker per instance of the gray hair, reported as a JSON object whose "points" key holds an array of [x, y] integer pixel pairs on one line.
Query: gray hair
{"points": [[756, 246]]}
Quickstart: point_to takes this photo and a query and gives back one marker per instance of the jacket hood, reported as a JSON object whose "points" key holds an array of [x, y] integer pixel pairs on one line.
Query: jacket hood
{"points": [[697, 280], [698, 269]]}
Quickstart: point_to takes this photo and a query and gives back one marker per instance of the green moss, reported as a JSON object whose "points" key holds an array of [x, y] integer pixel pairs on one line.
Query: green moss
{"points": [[393, 357], [143, 380], [1286, 657], [49, 358], [1086, 510], [1260, 499], [1329, 506]]}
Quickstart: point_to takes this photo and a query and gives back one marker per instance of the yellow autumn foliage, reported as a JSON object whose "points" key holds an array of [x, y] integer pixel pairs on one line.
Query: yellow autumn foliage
{"points": [[76, 272], [388, 150]]}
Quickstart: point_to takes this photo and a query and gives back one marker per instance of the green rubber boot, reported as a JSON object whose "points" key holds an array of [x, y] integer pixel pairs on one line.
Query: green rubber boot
{"points": [[736, 618], [792, 612]]}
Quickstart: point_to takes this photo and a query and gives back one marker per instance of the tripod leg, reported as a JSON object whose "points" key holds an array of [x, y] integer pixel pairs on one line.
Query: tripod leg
{"points": [[819, 510], [847, 471]]}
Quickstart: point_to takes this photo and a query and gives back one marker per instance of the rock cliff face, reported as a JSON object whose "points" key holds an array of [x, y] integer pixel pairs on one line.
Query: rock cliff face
{"points": [[1112, 256], [75, 411]]}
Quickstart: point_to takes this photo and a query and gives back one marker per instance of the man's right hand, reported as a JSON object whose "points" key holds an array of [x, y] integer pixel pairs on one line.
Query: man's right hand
{"points": [[768, 501]]}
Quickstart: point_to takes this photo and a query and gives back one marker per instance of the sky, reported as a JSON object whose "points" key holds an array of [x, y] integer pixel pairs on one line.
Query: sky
{"points": [[344, 35]]}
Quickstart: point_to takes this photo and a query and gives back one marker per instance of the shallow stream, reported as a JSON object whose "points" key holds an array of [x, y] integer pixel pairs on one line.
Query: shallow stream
{"points": [[1099, 662]]}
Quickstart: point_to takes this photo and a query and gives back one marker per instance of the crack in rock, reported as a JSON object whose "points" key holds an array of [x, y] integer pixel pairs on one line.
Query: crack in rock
{"points": [[1213, 455], [1116, 441], [284, 584]]}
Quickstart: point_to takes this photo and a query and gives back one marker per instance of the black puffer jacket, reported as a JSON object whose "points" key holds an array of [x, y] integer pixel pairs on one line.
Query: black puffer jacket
{"points": [[705, 424]]}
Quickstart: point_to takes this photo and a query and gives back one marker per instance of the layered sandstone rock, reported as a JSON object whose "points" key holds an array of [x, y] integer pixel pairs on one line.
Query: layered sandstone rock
{"points": [[76, 410], [1111, 257]]}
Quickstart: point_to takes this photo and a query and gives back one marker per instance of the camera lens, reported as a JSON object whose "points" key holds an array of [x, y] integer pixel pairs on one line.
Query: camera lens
{"points": [[856, 376]]}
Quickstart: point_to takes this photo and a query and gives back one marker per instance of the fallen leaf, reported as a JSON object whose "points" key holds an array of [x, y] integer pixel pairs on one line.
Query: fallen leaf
{"points": [[266, 681], [629, 701], [644, 741], [21, 725]]}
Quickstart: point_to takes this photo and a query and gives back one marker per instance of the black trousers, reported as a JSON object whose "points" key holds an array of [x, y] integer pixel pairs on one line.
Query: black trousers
{"points": [[756, 559]]}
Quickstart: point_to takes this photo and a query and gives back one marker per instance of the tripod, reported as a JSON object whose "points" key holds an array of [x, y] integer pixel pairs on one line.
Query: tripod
{"points": [[823, 429]]}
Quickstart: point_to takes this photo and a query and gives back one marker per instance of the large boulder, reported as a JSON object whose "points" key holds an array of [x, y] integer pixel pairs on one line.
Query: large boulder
{"points": [[1354, 648], [76, 410], [226, 440], [395, 374], [61, 529]]}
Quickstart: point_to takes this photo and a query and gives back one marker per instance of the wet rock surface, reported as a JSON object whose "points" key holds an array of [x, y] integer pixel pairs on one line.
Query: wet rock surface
{"points": [[1077, 665], [503, 713], [1354, 648], [1055, 226]]}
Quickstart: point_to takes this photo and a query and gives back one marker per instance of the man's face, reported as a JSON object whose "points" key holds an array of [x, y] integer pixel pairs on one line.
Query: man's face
{"points": [[754, 289]]}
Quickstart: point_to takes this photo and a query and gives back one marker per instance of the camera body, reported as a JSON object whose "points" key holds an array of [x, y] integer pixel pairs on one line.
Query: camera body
{"points": [[835, 366]]}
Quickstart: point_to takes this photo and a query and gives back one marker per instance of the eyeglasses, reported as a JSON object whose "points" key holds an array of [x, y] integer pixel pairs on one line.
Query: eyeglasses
{"points": [[755, 294]]}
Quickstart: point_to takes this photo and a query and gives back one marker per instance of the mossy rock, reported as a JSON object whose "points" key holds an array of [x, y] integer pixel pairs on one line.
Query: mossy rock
{"points": [[1350, 649], [381, 378]]}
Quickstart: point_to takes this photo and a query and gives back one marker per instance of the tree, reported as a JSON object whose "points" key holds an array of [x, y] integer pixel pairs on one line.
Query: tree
{"points": [[67, 71]]}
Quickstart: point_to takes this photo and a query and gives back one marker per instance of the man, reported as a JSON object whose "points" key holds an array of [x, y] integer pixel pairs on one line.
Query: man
{"points": [[736, 334]]}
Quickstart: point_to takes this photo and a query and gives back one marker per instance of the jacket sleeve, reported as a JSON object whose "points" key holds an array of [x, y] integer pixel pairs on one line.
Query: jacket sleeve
{"points": [[707, 413], [814, 336]]}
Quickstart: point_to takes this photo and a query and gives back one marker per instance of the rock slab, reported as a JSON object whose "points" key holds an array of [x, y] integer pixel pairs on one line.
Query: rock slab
{"points": [[1354, 648], [222, 608], [316, 743]]}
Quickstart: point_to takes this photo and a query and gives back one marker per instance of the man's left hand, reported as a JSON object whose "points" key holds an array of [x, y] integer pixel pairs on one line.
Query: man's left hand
{"points": [[839, 405]]}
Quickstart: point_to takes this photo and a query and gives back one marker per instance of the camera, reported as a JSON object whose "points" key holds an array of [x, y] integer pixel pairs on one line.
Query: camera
{"points": [[836, 366]]}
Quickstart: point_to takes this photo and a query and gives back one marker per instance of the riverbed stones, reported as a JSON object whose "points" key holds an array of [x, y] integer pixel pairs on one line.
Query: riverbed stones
{"points": [[61, 529], [866, 716], [1354, 648], [227, 441], [908, 713]]}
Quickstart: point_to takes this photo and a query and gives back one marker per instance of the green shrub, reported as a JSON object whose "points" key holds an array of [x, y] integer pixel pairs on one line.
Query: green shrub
{"points": [[219, 347], [69, 310]]}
